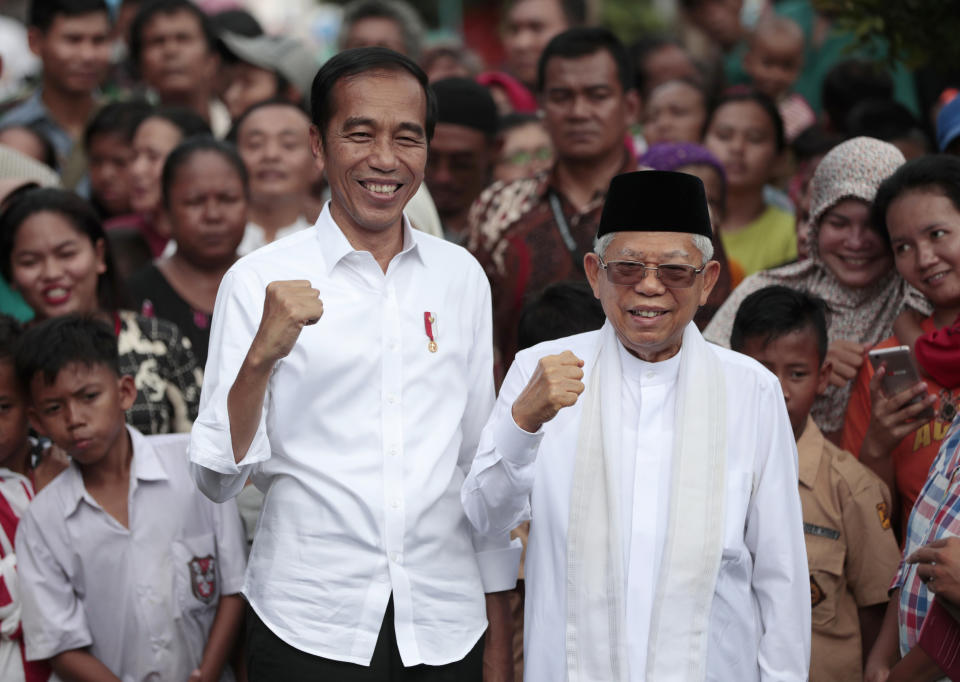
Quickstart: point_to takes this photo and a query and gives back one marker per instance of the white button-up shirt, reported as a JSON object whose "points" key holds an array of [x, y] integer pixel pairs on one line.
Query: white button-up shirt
{"points": [[362, 446], [143, 597], [760, 620]]}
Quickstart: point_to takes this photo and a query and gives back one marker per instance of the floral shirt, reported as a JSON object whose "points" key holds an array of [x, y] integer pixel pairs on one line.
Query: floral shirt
{"points": [[161, 361]]}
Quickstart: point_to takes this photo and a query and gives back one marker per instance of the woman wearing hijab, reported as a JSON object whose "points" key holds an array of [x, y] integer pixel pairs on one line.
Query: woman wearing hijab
{"points": [[850, 267]]}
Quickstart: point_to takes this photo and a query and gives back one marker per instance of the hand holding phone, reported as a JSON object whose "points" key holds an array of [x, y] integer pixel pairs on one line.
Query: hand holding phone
{"points": [[900, 375]]}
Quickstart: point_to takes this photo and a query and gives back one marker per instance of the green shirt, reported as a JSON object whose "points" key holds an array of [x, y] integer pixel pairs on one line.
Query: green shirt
{"points": [[767, 242]]}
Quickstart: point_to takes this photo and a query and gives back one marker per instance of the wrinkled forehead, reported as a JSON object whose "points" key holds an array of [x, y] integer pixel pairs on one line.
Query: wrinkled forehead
{"points": [[651, 245]]}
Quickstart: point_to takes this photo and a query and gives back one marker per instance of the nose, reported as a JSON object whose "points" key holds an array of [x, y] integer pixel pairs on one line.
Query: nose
{"points": [[382, 155], [72, 415], [579, 107], [52, 269], [650, 284], [438, 172], [926, 255], [859, 237], [212, 210]]}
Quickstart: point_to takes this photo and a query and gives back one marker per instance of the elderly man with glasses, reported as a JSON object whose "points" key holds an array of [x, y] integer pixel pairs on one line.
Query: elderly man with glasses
{"points": [[659, 472]]}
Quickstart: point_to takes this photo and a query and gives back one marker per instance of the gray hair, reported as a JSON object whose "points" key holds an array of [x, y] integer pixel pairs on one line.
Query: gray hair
{"points": [[406, 17], [701, 243]]}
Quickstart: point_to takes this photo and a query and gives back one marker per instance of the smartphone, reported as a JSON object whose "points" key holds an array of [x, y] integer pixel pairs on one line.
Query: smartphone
{"points": [[901, 373]]}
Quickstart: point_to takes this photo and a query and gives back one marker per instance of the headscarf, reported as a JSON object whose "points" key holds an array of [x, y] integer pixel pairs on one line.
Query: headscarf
{"points": [[852, 170], [670, 156], [521, 99]]}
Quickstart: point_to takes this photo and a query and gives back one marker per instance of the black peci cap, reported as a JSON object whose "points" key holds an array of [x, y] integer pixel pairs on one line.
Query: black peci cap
{"points": [[656, 201]]}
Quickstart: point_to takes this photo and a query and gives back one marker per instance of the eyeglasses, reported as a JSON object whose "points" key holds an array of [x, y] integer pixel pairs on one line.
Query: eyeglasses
{"points": [[629, 272]]}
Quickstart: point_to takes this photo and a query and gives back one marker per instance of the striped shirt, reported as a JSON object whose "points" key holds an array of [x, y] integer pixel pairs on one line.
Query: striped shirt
{"points": [[935, 515]]}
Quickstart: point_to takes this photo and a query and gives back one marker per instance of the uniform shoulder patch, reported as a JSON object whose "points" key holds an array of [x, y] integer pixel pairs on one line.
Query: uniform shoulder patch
{"points": [[817, 594], [883, 513]]}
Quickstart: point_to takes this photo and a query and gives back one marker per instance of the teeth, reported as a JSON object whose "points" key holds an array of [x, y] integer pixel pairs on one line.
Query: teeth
{"points": [[648, 313], [56, 293], [856, 261], [937, 277], [381, 189]]}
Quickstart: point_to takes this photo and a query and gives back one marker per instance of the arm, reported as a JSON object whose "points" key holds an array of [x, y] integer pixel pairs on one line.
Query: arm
{"points": [[497, 490], [916, 666], [78, 665], [886, 649], [774, 537], [223, 635], [498, 649], [871, 623], [251, 331]]}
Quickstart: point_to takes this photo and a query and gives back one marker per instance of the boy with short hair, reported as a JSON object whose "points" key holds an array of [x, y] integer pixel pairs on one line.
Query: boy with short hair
{"points": [[108, 141], [773, 61], [126, 569], [851, 549]]}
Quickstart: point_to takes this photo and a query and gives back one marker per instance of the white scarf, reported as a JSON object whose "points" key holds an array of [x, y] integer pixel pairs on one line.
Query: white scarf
{"points": [[595, 638]]}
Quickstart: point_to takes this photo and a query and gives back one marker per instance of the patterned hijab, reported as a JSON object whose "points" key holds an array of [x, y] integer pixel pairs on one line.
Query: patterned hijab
{"points": [[852, 170]]}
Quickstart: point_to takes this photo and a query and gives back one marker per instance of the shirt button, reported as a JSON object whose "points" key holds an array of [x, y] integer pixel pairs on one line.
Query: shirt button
{"points": [[393, 451], [650, 375], [392, 398], [395, 504], [395, 557]]}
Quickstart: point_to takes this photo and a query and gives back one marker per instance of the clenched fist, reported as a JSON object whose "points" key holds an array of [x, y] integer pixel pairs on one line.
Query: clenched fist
{"points": [[289, 305], [555, 384]]}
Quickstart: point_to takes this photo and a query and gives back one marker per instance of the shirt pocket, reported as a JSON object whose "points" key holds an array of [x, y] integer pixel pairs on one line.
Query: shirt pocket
{"points": [[825, 558], [196, 589]]}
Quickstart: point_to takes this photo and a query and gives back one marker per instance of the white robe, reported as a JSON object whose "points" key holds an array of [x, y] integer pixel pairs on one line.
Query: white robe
{"points": [[760, 620]]}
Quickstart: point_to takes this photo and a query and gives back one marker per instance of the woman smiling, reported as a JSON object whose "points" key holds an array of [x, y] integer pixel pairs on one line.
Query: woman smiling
{"points": [[850, 267]]}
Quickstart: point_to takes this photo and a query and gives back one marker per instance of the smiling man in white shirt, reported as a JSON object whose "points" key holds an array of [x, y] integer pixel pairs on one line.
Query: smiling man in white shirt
{"points": [[666, 541], [358, 416]]}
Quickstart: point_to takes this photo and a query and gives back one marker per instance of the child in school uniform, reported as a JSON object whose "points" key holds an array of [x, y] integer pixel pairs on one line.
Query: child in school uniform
{"points": [[17, 488], [851, 550], [126, 570]]}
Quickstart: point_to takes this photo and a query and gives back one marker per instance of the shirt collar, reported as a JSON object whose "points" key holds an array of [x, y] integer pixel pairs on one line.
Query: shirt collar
{"points": [[335, 247], [810, 452], [145, 466], [548, 180]]}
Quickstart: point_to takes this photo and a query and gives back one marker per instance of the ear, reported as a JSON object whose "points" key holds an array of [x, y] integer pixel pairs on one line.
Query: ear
{"points": [[823, 377], [127, 390], [316, 146], [591, 265], [100, 250], [35, 40], [711, 273], [34, 418]]}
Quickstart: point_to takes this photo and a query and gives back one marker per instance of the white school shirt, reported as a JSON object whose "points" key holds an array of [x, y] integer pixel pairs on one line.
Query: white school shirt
{"points": [[362, 446], [142, 598], [759, 625]]}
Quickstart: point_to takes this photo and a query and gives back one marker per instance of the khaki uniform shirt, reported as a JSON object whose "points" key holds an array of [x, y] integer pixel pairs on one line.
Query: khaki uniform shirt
{"points": [[851, 551]]}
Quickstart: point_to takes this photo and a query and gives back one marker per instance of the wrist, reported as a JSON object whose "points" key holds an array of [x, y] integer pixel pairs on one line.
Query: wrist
{"points": [[526, 423], [873, 448], [258, 362]]}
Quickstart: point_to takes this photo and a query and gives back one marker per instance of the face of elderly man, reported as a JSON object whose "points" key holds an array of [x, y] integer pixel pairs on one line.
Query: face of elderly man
{"points": [[648, 316]]}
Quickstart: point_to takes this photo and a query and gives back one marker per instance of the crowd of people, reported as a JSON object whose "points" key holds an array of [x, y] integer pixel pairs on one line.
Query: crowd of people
{"points": [[608, 362]]}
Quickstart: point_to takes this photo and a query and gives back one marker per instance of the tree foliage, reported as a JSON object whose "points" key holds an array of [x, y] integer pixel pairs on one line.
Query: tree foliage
{"points": [[918, 32]]}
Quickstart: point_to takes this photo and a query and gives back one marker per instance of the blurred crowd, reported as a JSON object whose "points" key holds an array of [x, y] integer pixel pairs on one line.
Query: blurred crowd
{"points": [[160, 141]]}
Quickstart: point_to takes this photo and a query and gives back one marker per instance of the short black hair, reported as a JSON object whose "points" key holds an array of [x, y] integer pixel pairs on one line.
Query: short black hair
{"points": [[815, 140], [10, 332], [936, 173], [78, 213], [582, 41], [515, 119], [50, 346], [745, 94], [574, 11], [234, 133], [560, 310], [152, 8], [42, 13], [189, 148], [775, 311], [850, 82], [885, 120], [354, 62], [117, 118], [237, 21], [187, 121], [641, 49]]}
